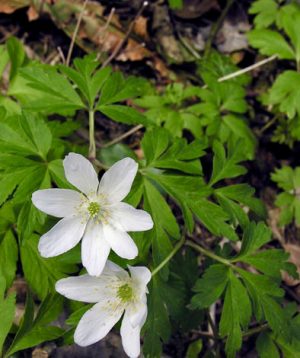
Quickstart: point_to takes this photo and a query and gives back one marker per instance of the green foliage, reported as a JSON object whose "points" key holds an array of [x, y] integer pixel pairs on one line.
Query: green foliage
{"points": [[63, 90], [288, 200], [214, 112], [188, 186], [35, 329], [175, 4], [246, 294], [277, 33], [7, 311]]}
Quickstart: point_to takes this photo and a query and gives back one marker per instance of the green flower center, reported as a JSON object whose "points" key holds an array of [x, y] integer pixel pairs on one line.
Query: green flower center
{"points": [[94, 208], [125, 292]]}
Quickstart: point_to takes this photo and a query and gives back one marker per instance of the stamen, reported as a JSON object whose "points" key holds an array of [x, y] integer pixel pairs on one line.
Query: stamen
{"points": [[125, 292], [94, 208]]}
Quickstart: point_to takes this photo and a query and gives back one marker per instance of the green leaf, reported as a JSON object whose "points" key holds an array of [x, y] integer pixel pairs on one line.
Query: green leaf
{"points": [[8, 258], [154, 144], [284, 93], [266, 12], [228, 196], [241, 130], [194, 349], [214, 218], [36, 336], [123, 114], [34, 331], [210, 287], [289, 202], [17, 55], [255, 236], [226, 166], [271, 43], [165, 225], [7, 314], [40, 273], [271, 262], [264, 293], [265, 346], [46, 90], [86, 77], [157, 328], [4, 58], [236, 314], [176, 4], [290, 18]]}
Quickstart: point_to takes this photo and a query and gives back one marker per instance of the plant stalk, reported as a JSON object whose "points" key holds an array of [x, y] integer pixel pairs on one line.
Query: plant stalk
{"points": [[92, 147], [208, 253], [169, 257]]}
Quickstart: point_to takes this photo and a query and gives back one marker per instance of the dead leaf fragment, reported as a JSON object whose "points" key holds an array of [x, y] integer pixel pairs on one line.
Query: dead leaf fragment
{"points": [[32, 14], [294, 251], [140, 27], [10, 6]]}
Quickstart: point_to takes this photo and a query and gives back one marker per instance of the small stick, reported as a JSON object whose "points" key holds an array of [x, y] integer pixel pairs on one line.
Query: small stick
{"points": [[104, 29], [75, 33], [61, 55], [117, 49], [247, 69], [123, 136]]}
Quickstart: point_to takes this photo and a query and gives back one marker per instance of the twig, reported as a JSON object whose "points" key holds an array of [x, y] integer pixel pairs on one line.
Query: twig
{"points": [[104, 30], [123, 136], [75, 33], [61, 55], [117, 49], [216, 27], [212, 326], [247, 69], [268, 125]]}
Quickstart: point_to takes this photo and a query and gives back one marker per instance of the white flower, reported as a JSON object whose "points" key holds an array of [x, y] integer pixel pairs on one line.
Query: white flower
{"points": [[113, 292], [96, 214]]}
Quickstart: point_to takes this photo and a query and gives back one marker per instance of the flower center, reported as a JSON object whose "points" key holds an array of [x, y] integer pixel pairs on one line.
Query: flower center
{"points": [[125, 292], [94, 208]]}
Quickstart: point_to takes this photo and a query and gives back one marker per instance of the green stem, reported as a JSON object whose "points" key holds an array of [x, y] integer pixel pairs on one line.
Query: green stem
{"points": [[255, 330], [92, 148], [268, 125], [169, 257], [208, 253]]}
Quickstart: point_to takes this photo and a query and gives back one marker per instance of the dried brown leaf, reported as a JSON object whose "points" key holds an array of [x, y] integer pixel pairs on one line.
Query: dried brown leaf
{"points": [[10, 6]]}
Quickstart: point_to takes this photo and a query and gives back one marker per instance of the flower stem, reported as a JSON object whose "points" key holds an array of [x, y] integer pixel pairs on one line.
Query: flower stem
{"points": [[169, 257], [92, 148], [208, 253]]}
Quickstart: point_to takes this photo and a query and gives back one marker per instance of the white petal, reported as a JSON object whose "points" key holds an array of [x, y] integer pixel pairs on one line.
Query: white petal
{"points": [[117, 181], [57, 202], [62, 237], [95, 324], [131, 336], [127, 218], [120, 242], [141, 275], [80, 172], [94, 249], [113, 270], [137, 312], [83, 288]]}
